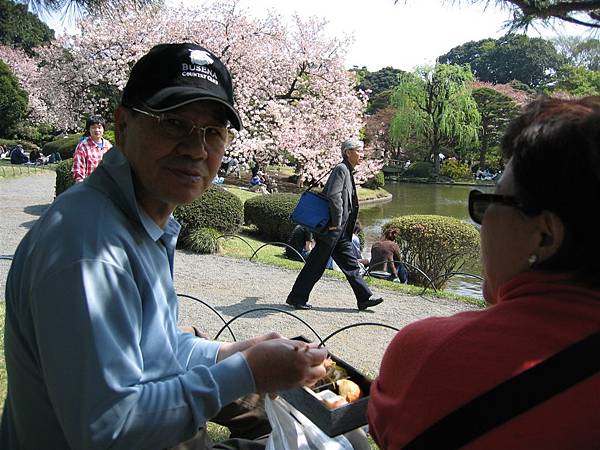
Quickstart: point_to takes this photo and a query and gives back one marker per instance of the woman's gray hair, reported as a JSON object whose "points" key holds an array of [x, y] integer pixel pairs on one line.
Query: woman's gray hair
{"points": [[350, 144]]}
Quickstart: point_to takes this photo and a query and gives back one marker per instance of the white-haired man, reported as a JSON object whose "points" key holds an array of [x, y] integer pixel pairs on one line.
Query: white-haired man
{"points": [[337, 242]]}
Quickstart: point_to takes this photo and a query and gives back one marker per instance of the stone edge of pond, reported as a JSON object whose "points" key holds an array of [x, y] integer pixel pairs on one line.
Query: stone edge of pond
{"points": [[370, 201], [445, 183]]}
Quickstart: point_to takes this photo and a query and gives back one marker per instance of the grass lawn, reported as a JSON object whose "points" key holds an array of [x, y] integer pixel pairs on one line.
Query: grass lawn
{"points": [[8, 170]]}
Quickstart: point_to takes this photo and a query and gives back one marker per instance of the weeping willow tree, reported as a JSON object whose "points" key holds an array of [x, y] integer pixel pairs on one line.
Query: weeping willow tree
{"points": [[436, 110]]}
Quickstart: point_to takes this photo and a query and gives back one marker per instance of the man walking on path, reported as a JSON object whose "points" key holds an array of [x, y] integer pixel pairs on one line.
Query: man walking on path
{"points": [[340, 189]]}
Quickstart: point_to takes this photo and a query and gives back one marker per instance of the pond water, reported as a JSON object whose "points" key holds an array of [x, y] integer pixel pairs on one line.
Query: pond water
{"points": [[417, 198]]}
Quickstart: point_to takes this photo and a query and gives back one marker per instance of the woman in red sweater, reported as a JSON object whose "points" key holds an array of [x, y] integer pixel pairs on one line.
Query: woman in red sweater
{"points": [[540, 251]]}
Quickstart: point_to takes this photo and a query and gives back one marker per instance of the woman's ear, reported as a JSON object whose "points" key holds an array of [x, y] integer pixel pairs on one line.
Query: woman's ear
{"points": [[552, 234]]}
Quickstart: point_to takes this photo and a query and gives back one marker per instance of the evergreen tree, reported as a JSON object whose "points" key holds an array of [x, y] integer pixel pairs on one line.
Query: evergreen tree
{"points": [[13, 101], [20, 28]]}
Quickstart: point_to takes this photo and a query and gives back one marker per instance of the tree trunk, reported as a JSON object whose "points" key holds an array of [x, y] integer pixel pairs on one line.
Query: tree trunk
{"points": [[483, 151]]}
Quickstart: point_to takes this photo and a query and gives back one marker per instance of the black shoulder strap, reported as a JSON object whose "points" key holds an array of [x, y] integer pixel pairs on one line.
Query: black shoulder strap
{"points": [[314, 183], [513, 397]]}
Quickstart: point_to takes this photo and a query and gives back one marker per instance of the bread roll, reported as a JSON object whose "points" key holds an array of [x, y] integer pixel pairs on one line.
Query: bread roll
{"points": [[349, 390]]}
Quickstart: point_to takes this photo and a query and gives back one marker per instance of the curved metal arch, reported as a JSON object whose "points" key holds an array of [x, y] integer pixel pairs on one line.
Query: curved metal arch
{"points": [[354, 325], [213, 310], [235, 236], [380, 263], [450, 275], [268, 308], [279, 244]]}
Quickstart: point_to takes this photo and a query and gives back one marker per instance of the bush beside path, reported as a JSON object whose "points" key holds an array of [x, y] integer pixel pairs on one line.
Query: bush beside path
{"points": [[233, 286]]}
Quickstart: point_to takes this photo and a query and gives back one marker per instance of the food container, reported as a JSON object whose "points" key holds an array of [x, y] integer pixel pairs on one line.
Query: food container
{"points": [[332, 421]]}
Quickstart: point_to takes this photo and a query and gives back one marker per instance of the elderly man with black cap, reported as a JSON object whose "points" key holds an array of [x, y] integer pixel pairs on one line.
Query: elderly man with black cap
{"points": [[94, 355], [340, 190]]}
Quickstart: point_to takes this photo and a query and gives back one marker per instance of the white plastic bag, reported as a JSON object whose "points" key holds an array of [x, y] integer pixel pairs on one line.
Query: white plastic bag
{"points": [[292, 430]]}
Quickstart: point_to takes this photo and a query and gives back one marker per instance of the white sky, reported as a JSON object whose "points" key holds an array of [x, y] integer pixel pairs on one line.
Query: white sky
{"points": [[403, 35]]}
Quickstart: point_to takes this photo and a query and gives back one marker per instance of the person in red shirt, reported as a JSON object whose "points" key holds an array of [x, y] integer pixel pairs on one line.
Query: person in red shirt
{"points": [[539, 252], [90, 150]]}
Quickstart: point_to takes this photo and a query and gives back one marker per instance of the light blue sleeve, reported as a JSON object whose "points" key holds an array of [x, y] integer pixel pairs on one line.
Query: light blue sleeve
{"points": [[194, 351], [88, 324]]}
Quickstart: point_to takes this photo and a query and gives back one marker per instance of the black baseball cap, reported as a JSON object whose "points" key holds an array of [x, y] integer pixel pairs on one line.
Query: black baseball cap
{"points": [[173, 75]]}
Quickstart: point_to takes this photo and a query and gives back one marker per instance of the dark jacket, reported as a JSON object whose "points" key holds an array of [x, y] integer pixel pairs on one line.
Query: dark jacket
{"points": [[339, 190]]}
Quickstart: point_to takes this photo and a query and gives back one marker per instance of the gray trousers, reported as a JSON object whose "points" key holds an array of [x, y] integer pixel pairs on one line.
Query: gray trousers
{"points": [[247, 422]]}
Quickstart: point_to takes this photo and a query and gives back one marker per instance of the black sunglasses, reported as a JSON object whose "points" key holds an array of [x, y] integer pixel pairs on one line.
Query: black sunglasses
{"points": [[479, 202]]}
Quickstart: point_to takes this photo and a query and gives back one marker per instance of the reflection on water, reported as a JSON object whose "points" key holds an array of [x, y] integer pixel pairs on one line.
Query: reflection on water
{"points": [[409, 198]]}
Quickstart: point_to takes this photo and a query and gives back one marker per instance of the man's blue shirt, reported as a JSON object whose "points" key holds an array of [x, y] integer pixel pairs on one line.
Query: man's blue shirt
{"points": [[93, 353]]}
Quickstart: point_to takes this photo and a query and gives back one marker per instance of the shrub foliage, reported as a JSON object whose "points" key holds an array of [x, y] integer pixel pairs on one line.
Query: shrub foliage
{"points": [[64, 179], [419, 169], [456, 170], [271, 214], [217, 209], [202, 240], [377, 182], [437, 245], [64, 145]]}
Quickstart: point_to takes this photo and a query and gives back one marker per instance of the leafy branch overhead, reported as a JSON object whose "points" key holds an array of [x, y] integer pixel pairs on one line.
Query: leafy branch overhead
{"points": [[526, 12]]}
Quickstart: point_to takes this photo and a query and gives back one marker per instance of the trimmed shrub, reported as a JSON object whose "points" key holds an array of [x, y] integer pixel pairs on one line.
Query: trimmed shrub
{"points": [[456, 171], [437, 245], [271, 215], [64, 179], [419, 169], [10, 143], [66, 145], [377, 182], [216, 209], [203, 241]]}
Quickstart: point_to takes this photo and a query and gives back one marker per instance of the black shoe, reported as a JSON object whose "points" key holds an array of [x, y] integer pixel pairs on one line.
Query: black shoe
{"points": [[299, 305], [368, 303]]}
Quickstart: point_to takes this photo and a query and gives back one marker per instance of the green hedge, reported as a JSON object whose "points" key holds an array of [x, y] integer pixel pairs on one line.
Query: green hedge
{"points": [[64, 179], [202, 240], [377, 182], [456, 170], [271, 214], [435, 244], [66, 145], [419, 169], [216, 209], [10, 143]]}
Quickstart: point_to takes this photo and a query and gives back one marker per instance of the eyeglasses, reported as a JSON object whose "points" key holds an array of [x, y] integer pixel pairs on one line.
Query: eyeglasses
{"points": [[177, 127], [479, 203]]}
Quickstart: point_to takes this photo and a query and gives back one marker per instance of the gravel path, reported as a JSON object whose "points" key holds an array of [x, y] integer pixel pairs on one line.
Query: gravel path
{"points": [[233, 286]]}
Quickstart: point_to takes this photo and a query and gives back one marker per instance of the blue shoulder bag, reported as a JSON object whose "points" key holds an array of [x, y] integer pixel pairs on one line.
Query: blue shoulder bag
{"points": [[312, 210]]}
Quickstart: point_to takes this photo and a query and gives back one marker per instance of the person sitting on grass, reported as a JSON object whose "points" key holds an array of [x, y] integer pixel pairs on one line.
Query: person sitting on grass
{"points": [[385, 257], [18, 156]]}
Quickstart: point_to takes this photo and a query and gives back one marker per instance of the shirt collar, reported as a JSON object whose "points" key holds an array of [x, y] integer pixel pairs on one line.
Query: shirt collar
{"points": [[116, 167]]}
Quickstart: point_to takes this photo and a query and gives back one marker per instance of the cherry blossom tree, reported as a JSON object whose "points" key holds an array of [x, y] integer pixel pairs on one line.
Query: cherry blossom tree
{"points": [[48, 100], [296, 99]]}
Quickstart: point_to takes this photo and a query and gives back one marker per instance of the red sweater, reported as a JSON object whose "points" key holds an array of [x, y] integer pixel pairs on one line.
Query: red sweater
{"points": [[435, 365]]}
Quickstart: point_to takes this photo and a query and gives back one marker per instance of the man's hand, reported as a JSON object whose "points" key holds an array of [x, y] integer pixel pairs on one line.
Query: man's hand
{"points": [[229, 348], [279, 364]]}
